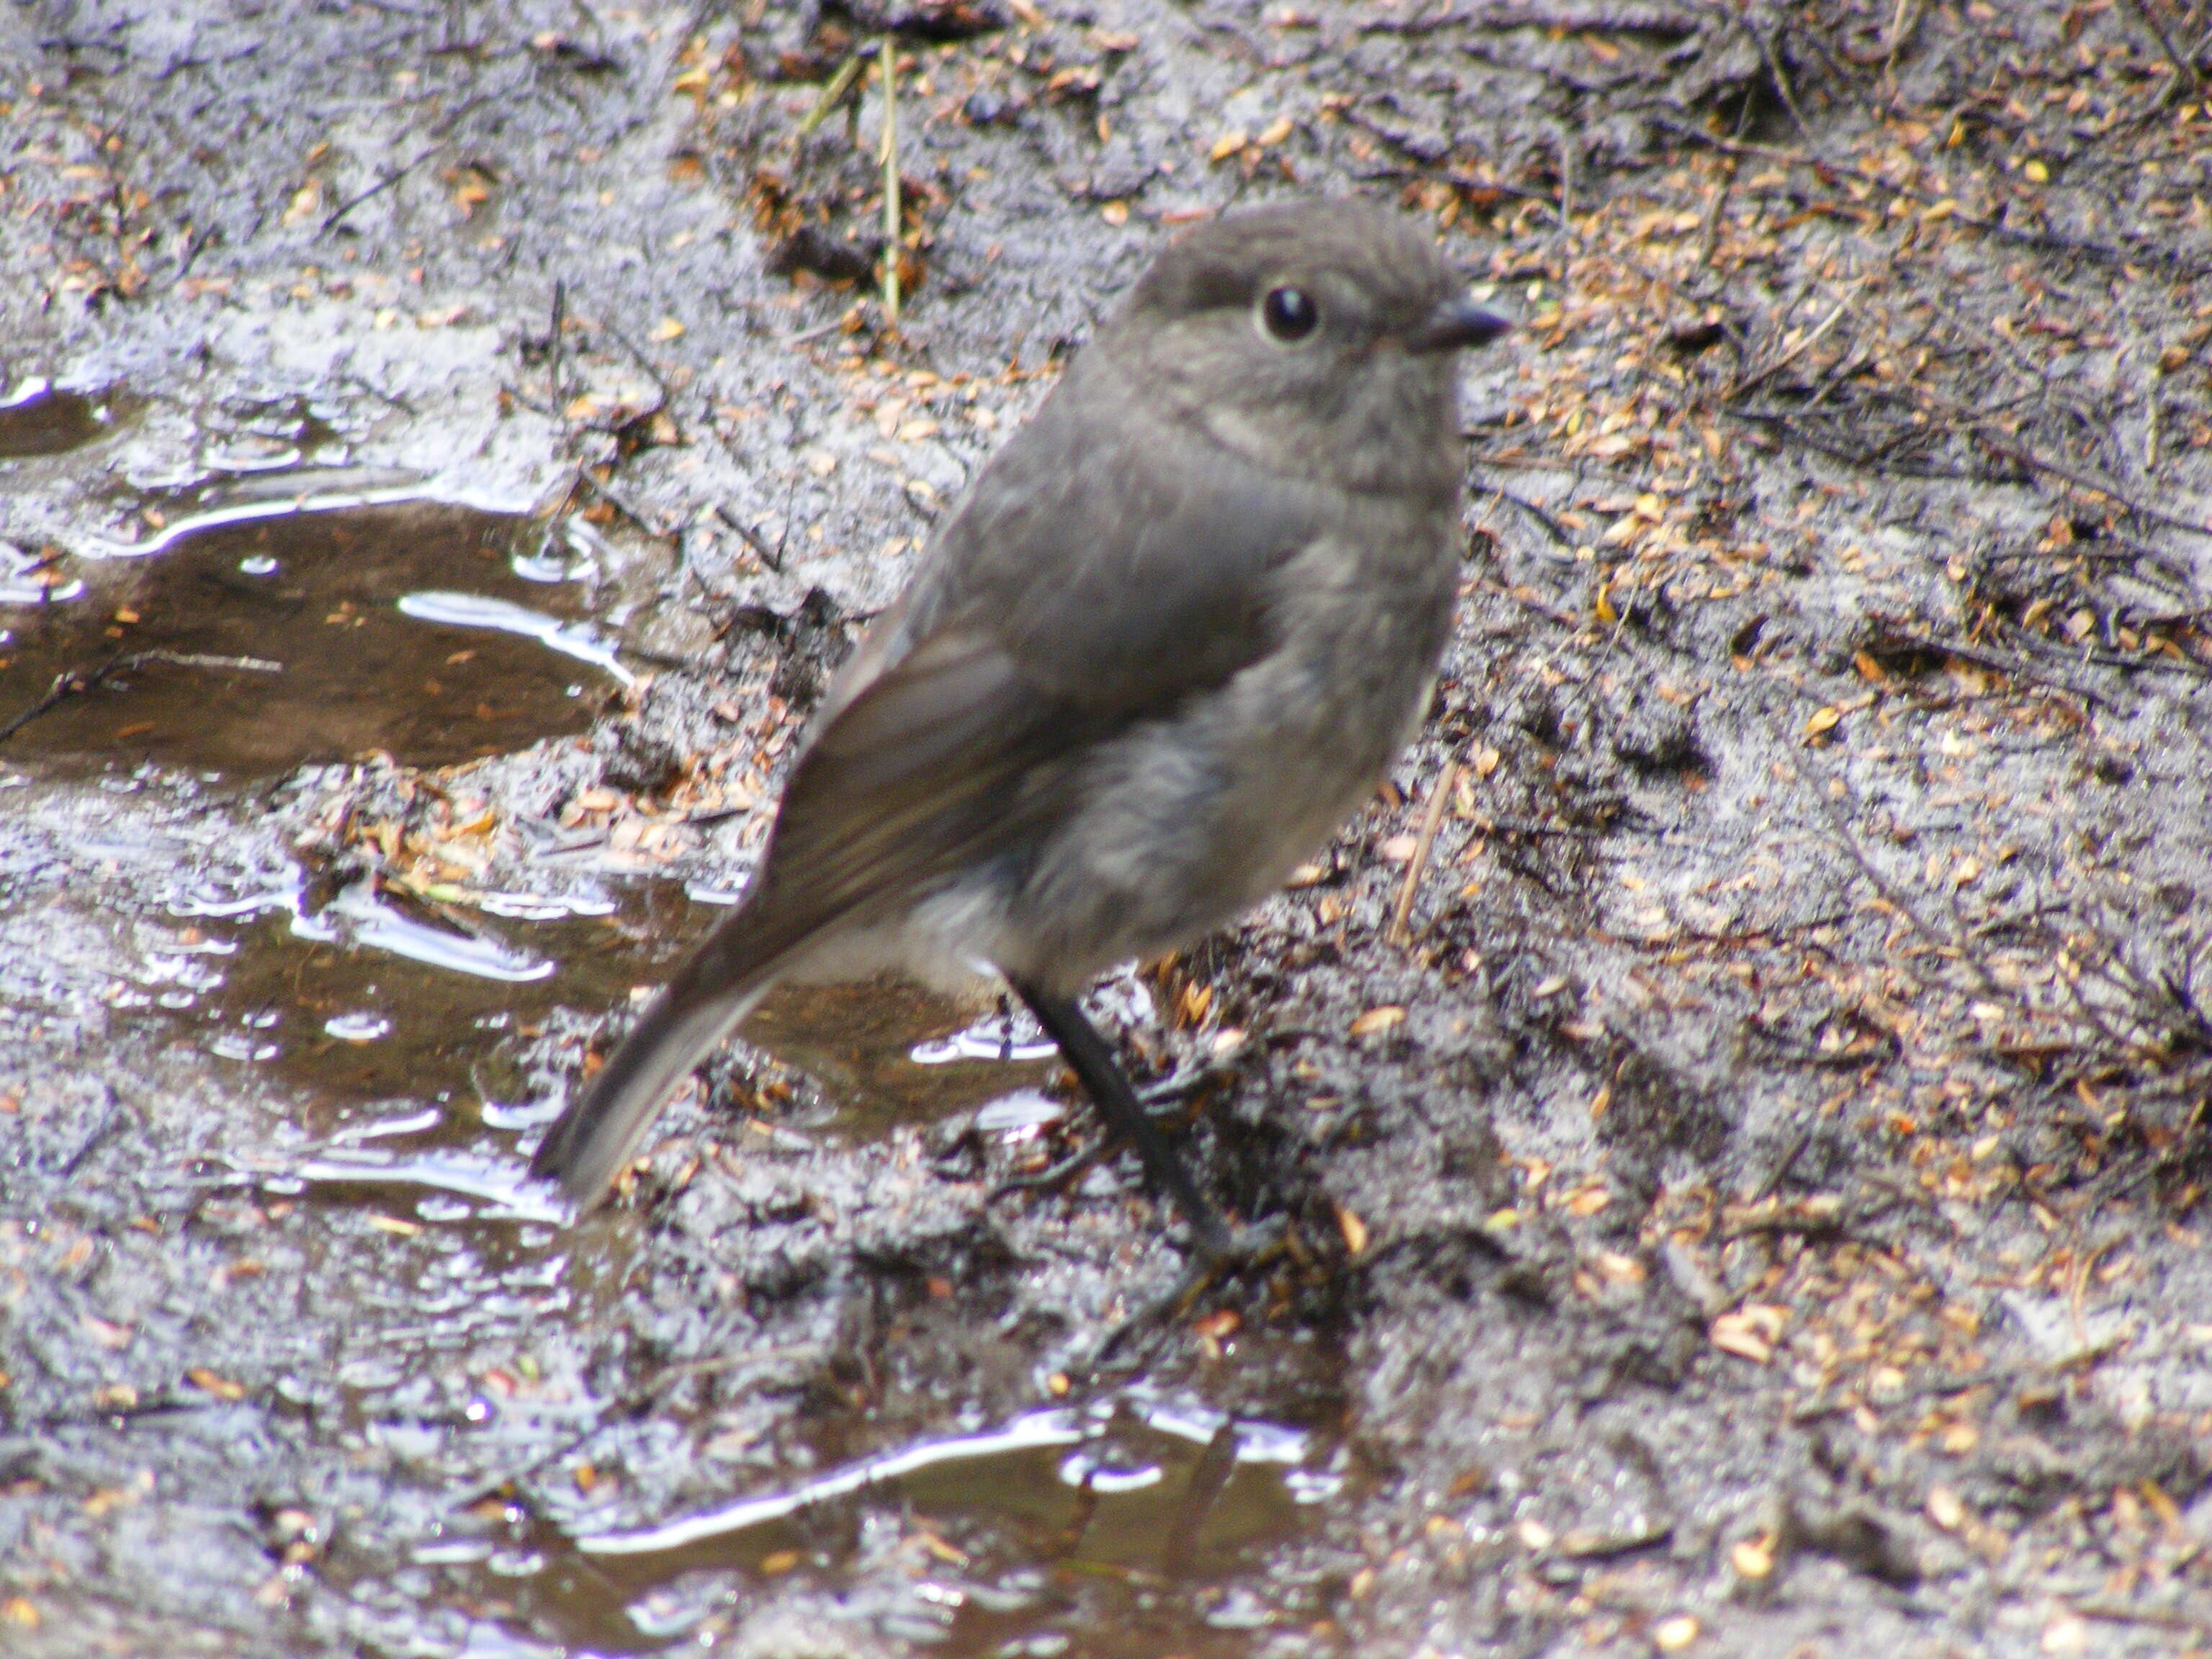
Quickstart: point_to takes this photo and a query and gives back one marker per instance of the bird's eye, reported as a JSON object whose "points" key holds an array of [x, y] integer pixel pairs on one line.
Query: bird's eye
{"points": [[1289, 314]]}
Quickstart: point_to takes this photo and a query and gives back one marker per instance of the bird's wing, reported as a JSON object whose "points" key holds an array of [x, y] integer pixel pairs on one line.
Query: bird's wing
{"points": [[1016, 657], [1127, 574]]}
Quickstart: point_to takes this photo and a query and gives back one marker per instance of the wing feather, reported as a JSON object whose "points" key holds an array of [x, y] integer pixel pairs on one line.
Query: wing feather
{"points": [[1075, 595]]}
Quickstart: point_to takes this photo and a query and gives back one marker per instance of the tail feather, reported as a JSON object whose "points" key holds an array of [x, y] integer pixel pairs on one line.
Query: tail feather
{"points": [[591, 1142]]}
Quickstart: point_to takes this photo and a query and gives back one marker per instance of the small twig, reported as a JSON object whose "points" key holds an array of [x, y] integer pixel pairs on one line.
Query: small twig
{"points": [[2150, 423], [2085, 1264], [769, 557], [1819, 333], [2035, 463], [555, 365], [1567, 208], [840, 83], [71, 683], [1709, 237], [2111, 1613], [1416, 866], [444, 128], [206, 660], [806, 335], [1550, 526], [1781, 78], [2011, 667], [1489, 826], [1954, 945], [891, 181], [1902, 22], [2185, 72], [331, 218]]}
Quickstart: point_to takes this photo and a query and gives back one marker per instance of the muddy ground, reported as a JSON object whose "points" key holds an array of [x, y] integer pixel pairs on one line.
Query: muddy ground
{"points": [[1738, 1098]]}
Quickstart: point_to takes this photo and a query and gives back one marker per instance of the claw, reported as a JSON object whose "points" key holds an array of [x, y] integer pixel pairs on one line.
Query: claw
{"points": [[1233, 1249]]}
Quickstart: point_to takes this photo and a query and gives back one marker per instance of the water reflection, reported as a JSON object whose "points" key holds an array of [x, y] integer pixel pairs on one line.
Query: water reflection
{"points": [[1136, 1512]]}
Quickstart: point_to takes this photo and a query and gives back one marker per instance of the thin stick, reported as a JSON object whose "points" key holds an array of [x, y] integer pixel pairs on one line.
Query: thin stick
{"points": [[890, 182], [1418, 864], [75, 682], [1805, 344], [331, 219], [1709, 235], [2185, 72], [2150, 421], [832, 94]]}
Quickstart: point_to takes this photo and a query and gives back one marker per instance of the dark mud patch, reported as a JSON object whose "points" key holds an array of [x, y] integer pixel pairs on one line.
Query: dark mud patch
{"points": [[256, 637]]}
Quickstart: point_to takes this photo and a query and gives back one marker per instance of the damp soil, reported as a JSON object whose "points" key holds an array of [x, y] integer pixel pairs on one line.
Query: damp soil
{"points": [[1736, 1101]]}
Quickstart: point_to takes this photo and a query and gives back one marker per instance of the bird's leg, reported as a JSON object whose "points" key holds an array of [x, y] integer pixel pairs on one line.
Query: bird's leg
{"points": [[1219, 1247], [1092, 1061]]}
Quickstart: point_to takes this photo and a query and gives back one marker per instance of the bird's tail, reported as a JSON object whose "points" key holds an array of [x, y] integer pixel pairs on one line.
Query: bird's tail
{"points": [[599, 1133]]}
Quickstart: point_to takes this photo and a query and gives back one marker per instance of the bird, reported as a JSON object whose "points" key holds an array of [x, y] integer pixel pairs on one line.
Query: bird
{"points": [[1179, 629]]}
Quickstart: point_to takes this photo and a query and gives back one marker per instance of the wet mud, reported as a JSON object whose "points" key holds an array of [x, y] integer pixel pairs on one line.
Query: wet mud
{"points": [[1736, 1101]]}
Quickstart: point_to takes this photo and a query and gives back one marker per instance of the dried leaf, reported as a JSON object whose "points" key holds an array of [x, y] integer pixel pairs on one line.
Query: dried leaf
{"points": [[1733, 1333], [214, 1384], [1353, 1229]]}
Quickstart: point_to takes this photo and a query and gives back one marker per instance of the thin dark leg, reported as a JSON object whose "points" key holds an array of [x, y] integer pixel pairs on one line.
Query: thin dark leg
{"points": [[1093, 1063]]}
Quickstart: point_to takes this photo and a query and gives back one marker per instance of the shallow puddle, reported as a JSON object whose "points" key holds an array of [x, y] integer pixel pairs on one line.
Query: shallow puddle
{"points": [[1122, 1527], [891, 1052], [371, 1000], [36, 419], [1127, 1526], [246, 640], [374, 998]]}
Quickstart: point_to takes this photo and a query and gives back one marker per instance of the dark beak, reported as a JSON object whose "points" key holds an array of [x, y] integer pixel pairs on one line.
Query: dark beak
{"points": [[1457, 324]]}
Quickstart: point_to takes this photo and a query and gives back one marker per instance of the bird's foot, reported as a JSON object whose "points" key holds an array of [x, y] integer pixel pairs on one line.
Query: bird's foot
{"points": [[1221, 1251], [1056, 1177], [1162, 1101]]}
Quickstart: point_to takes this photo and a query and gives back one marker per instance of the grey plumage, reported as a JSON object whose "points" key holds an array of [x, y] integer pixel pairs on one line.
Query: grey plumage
{"points": [[1184, 620]]}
